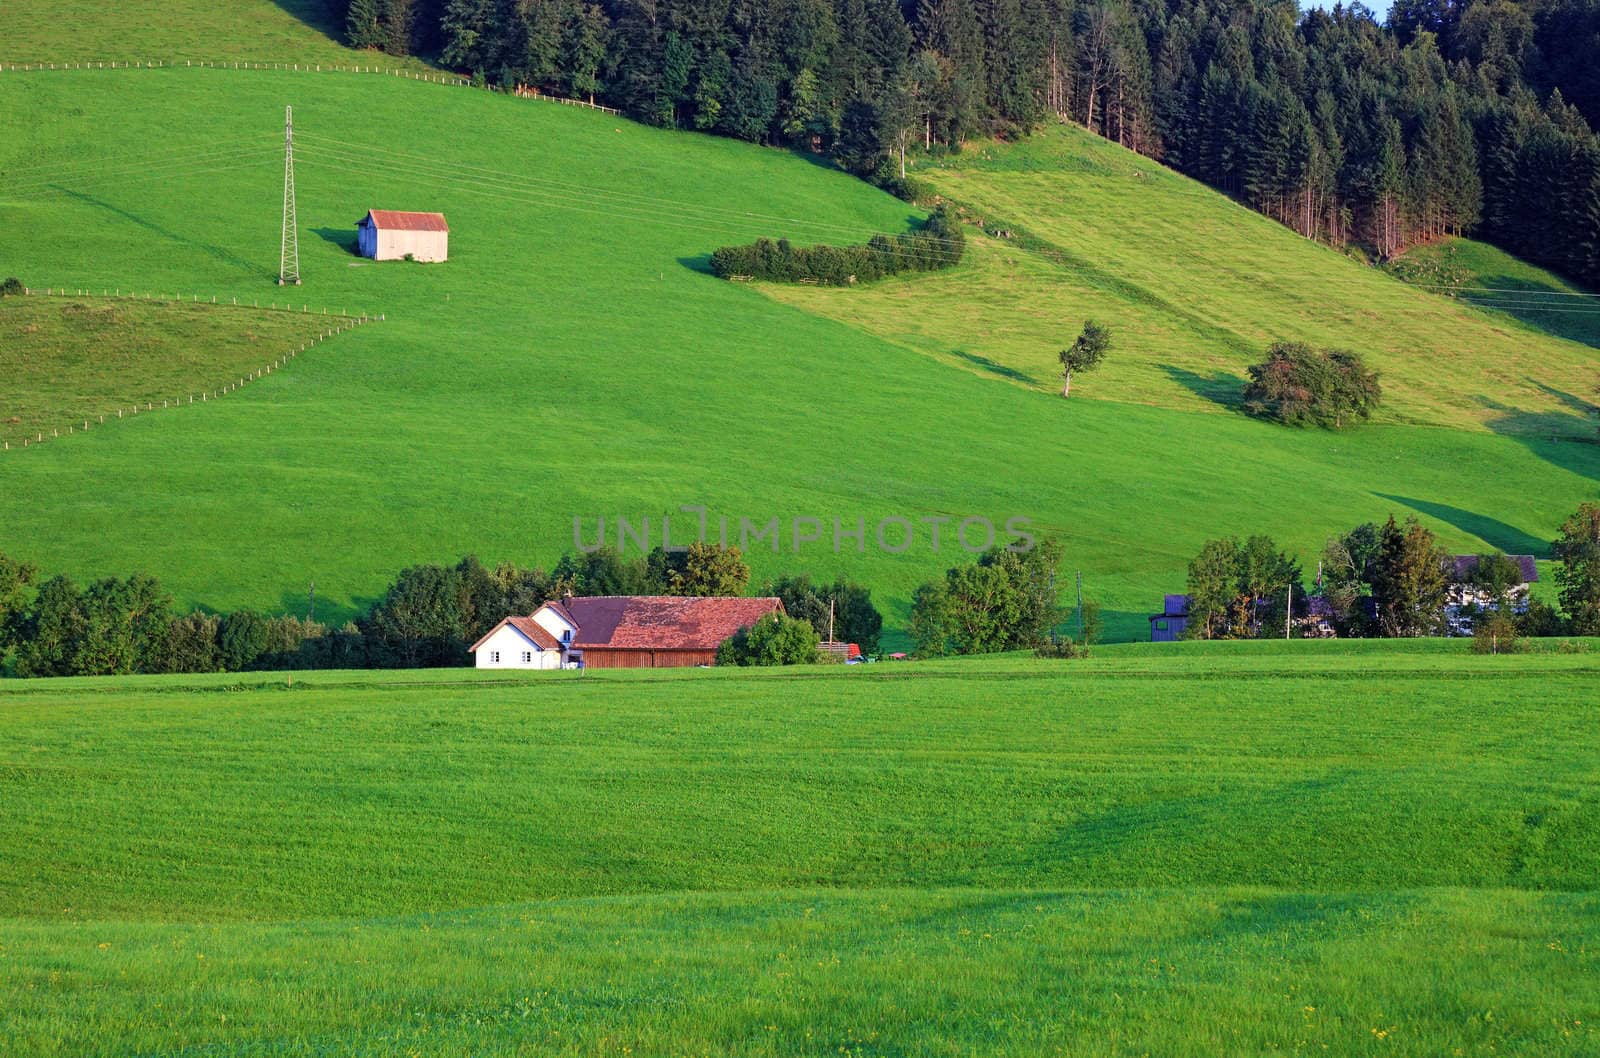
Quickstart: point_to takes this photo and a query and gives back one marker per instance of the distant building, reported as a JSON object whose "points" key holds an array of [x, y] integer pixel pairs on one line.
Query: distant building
{"points": [[1464, 598], [619, 632], [394, 235], [1168, 626], [1317, 620]]}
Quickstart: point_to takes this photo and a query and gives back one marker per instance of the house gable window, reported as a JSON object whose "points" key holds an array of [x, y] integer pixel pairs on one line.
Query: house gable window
{"points": [[494, 656], [527, 657]]}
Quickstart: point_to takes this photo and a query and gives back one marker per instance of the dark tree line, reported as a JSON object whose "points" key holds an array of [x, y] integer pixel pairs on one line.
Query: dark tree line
{"points": [[1451, 117], [428, 617]]}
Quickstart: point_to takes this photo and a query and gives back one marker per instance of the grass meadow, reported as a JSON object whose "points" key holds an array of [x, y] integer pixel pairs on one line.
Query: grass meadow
{"points": [[288, 31], [68, 361], [1195, 287], [1241, 851], [574, 359]]}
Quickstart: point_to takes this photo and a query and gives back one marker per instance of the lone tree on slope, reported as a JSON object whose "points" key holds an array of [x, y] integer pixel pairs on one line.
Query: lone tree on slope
{"points": [[1084, 354]]}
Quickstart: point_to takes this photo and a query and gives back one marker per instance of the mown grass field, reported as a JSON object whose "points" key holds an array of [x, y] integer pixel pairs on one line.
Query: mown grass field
{"points": [[572, 359], [68, 361], [1246, 851]]}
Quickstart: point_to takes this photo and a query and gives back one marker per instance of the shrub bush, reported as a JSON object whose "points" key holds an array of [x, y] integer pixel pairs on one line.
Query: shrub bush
{"points": [[12, 288], [1299, 386], [776, 639]]}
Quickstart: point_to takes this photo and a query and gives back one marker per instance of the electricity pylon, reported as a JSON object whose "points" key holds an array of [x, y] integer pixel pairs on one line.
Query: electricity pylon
{"points": [[289, 261]]}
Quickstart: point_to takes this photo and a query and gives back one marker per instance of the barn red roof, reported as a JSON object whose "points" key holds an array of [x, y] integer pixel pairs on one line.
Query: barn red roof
{"points": [[528, 627], [661, 622], [400, 220]]}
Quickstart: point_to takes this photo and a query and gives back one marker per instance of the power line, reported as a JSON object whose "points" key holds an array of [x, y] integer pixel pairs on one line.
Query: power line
{"points": [[38, 194], [624, 199], [536, 197]]}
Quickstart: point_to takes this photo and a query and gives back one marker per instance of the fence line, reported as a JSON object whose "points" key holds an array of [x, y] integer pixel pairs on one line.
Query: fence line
{"points": [[201, 299], [302, 67], [345, 323]]}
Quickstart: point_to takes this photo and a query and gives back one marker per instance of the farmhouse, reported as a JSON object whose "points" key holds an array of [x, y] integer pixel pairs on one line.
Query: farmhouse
{"points": [[619, 632], [1466, 595], [1168, 625], [394, 235]]}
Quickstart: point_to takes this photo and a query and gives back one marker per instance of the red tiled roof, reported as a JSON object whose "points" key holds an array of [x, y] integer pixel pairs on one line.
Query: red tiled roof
{"points": [[661, 622], [527, 626], [400, 220]]}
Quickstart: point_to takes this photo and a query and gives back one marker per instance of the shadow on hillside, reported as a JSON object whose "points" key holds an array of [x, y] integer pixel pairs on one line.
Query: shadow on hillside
{"points": [[995, 368], [1496, 534], [699, 263], [343, 238], [1570, 439], [1541, 305], [1222, 388], [210, 249], [321, 15]]}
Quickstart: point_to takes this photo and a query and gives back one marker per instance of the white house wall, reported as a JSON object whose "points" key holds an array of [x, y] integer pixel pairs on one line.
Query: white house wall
{"points": [[552, 622], [510, 645]]}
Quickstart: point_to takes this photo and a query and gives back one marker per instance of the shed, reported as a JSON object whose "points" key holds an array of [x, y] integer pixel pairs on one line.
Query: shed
{"points": [[394, 235]]}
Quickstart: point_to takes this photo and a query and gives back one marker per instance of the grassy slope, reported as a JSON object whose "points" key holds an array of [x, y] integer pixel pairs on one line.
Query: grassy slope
{"points": [[570, 360], [291, 31], [1493, 279], [1194, 288], [75, 360], [1176, 854]]}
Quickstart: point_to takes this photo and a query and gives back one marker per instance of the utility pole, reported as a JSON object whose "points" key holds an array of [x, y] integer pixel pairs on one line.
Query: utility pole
{"points": [[1080, 608], [1288, 612], [289, 245], [830, 620], [311, 606]]}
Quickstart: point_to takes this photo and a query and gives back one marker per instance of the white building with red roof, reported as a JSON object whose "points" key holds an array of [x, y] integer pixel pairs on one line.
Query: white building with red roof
{"points": [[395, 235], [620, 631]]}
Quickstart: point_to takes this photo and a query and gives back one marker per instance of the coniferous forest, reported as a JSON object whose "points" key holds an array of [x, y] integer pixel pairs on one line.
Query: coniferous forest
{"points": [[1446, 118]]}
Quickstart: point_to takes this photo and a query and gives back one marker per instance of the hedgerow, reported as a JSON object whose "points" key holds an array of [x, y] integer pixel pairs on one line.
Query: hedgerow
{"points": [[939, 244]]}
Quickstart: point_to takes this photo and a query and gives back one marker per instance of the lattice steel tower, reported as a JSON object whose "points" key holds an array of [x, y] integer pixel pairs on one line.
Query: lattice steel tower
{"points": [[289, 261]]}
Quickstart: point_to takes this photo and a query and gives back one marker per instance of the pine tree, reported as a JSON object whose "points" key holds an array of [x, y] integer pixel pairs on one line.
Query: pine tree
{"points": [[361, 28]]}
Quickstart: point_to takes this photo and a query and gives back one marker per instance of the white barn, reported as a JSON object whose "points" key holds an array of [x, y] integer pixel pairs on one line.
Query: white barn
{"points": [[394, 235]]}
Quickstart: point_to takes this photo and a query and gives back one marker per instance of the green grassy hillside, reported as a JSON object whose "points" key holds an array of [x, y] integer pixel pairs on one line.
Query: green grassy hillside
{"points": [[1195, 287], [73, 31], [1494, 280], [74, 361], [1186, 853], [572, 359]]}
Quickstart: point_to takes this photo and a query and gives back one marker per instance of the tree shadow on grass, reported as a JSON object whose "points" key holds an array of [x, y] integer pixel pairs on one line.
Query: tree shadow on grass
{"points": [[1495, 533], [996, 368], [1570, 440], [344, 238], [699, 263], [320, 15], [1539, 305], [1222, 388]]}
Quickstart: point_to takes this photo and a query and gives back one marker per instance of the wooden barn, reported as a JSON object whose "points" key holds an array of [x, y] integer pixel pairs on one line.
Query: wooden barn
{"points": [[394, 235], [620, 632]]}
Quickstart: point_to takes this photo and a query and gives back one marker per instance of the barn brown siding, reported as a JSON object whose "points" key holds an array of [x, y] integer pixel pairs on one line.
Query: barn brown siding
{"points": [[633, 658]]}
